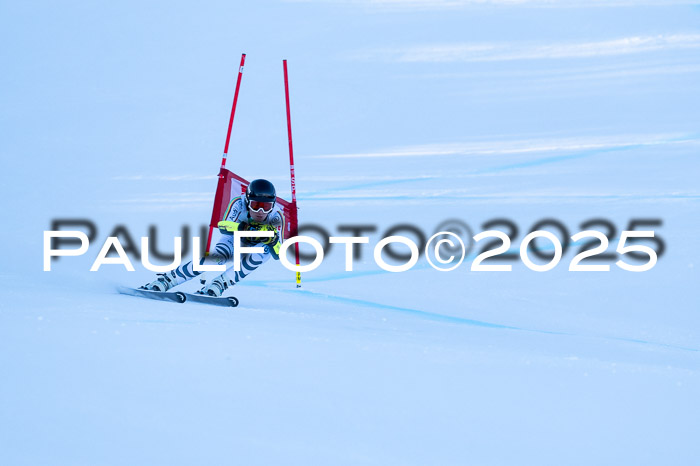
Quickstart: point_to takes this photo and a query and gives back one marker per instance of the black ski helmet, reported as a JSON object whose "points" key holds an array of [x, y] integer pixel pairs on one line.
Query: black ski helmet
{"points": [[260, 190]]}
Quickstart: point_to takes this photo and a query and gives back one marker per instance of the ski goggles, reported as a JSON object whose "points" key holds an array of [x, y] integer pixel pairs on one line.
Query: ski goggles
{"points": [[261, 206]]}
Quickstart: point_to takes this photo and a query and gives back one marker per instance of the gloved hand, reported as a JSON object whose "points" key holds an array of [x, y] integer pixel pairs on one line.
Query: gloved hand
{"points": [[227, 227], [273, 239]]}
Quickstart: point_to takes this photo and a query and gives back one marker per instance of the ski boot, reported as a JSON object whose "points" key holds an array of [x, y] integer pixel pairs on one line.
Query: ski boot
{"points": [[217, 287], [163, 283]]}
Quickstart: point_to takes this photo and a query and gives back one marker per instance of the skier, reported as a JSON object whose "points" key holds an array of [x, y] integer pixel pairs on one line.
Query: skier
{"points": [[256, 210]]}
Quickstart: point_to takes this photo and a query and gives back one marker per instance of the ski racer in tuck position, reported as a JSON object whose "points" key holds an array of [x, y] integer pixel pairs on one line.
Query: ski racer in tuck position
{"points": [[256, 210]]}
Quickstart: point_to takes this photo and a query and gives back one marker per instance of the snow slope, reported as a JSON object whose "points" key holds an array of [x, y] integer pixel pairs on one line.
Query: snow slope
{"points": [[523, 112]]}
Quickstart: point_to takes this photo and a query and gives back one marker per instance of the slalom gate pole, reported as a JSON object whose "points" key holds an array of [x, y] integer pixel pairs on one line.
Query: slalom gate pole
{"points": [[228, 139], [233, 110], [291, 168]]}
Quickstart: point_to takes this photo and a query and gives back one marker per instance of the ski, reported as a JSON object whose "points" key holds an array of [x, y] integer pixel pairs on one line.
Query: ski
{"points": [[180, 297], [174, 296], [225, 301]]}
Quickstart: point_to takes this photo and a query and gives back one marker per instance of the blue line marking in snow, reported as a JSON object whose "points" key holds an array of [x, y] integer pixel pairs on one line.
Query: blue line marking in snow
{"points": [[459, 320], [588, 153], [652, 343], [433, 316], [343, 275], [372, 184], [425, 314], [554, 159], [560, 198], [531, 163]]}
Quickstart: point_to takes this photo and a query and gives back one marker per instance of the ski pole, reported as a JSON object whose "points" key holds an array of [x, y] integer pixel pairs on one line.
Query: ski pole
{"points": [[295, 217]]}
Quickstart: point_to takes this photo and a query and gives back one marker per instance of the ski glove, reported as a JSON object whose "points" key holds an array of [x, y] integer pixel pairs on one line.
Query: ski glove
{"points": [[271, 240], [227, 227]]}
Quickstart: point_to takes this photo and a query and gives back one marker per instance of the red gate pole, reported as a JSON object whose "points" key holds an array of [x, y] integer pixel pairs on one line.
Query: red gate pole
{"points": [[228, 139], [294, 218], [233, 110]]}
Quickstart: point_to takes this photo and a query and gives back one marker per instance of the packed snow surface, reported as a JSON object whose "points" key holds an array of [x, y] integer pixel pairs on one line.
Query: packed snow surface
{"points": [[403, 113]]}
